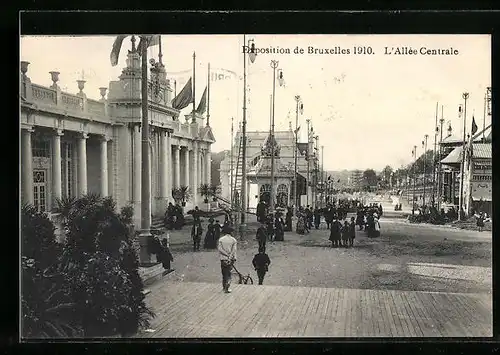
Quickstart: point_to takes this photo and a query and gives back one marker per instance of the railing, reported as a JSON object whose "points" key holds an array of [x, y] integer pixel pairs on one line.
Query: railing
{"points": [[94, 106], [72, 101], [44, 94]]}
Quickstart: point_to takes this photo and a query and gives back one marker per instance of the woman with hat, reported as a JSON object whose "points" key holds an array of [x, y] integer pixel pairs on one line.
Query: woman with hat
{"points": [[210, 241]]}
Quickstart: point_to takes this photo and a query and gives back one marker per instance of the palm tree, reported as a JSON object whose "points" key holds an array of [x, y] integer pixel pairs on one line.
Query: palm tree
{"points": [[184, 194], [205, 192], [214, 191]]}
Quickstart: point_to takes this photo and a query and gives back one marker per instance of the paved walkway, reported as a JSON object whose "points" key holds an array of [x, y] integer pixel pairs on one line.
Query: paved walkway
{"points": [[200, 310]]}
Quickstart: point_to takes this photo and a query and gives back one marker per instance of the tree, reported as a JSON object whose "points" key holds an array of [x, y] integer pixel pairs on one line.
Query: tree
{"points": [[369, 177], [386, 173]]}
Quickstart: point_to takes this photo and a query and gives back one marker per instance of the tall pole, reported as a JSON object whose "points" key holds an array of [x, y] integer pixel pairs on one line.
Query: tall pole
{"points": [[208, 96], [145, 233], [160, 54], [436, 129], [322, 174], [194, 88], [307, 160], [465, 96], [244, 148], [414, 178], [484, 112], [274, 65], [231, 165], [440, 178], [425, 165], [295, 155]]}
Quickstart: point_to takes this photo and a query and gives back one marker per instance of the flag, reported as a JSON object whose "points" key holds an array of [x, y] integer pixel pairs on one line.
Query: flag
{"points": [[297, 130], [203, 103], [338, 180], [329, 177], [184, 98], [151, 41], [115, 51], [474, 126]]}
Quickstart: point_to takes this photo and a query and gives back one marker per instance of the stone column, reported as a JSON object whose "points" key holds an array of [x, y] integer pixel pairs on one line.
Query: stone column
{"points": [[208, 171], [82, 164], [186, 167], [170, 173], [56, 167], [163, 167], [195, 173], [136, 175], [103, 150], [177, 163], [27, 160]]}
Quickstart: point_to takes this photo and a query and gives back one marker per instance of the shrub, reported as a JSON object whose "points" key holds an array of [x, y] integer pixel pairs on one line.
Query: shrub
{"points": [[47, 309], [90, 286]]}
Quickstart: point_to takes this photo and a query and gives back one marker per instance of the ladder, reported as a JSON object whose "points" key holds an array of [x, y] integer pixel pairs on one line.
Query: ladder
{"points": [[238, 177]]}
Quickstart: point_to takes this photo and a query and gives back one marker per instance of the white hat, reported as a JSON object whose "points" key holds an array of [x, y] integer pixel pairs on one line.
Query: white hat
{"points": [[375, 215]]}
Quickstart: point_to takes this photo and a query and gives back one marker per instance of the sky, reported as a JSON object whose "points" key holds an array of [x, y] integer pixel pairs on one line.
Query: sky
{"points": [[368, 110]]}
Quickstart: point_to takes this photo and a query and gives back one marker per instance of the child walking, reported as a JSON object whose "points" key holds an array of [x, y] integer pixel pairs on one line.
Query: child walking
{"points": [[196, 233], [261, 264]]}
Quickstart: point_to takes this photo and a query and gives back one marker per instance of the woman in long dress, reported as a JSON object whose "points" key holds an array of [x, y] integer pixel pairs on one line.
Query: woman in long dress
{"points": [[288, 220], [301, 224], [210, 242], [279, 234]]}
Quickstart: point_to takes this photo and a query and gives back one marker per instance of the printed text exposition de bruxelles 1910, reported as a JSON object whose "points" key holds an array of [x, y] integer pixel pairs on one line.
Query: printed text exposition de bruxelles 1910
{"points": [[356, 50]]}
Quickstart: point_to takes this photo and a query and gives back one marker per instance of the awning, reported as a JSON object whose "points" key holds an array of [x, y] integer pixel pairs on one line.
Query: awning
{"points": [[455, 157], [481, 190]]}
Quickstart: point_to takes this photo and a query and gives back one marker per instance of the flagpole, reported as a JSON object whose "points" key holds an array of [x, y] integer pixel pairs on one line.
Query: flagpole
{"points": [[145, 234], [231, 164], [194, 87], [434, 157], [160, 54], [208, 96], [244, 152], [465, 96]]}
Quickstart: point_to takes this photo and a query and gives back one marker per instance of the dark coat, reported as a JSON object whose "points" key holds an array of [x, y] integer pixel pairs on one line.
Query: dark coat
{"points": [[261, 262], [335, 230]]}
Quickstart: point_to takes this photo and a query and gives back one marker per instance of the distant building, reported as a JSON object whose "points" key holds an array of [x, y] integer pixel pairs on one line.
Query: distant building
{"points": [[258, 157], [477, 172], [356, 179]]}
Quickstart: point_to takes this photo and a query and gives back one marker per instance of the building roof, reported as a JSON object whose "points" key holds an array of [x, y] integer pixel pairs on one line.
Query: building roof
{"points": [[480, 151]]}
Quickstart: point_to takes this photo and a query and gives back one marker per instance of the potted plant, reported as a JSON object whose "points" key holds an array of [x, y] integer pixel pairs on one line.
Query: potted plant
{"points": [[184, 194], [214, 191], [176, 195], [205, 192]]}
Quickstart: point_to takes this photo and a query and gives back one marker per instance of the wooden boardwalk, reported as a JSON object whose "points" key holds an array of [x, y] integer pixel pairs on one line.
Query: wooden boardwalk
{"points": [[201, 310]]}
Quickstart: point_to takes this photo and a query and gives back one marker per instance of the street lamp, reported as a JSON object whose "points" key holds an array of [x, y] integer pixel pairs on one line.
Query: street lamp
{"points": [[299, 107], [274, 65], [414, 153], [465, 96], [440, 178], [424, 145], [252, 55]]}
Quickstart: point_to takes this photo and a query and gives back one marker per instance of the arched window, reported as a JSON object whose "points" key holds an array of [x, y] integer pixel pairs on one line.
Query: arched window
{"points": [[265, 188]]}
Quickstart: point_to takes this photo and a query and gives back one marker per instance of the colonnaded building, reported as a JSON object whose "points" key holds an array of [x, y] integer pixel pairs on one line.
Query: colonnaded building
{"points": [[258, 157], [72, 145]]}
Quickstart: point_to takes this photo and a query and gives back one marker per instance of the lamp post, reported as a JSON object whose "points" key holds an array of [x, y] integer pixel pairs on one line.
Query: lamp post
{"points": [[414, 178], [436, 131], [465, 96], [252, 55], [145, 233], [424, 145], [322, 175], [315, 170], [299, 106], [274, 65], [440, 178], [307, 160]]}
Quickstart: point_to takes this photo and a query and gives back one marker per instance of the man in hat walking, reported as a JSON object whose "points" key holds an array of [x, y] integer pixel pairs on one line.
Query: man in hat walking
{"points": [[227, 252]]}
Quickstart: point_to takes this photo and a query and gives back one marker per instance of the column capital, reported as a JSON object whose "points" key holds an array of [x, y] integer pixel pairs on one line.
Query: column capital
{"points": [[176, 147], [27, 128], [83, 135], [58, 132], [104, 137]]}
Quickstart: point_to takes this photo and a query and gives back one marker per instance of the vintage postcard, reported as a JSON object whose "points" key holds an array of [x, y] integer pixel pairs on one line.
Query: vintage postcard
{"points": [[255, 186]]}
